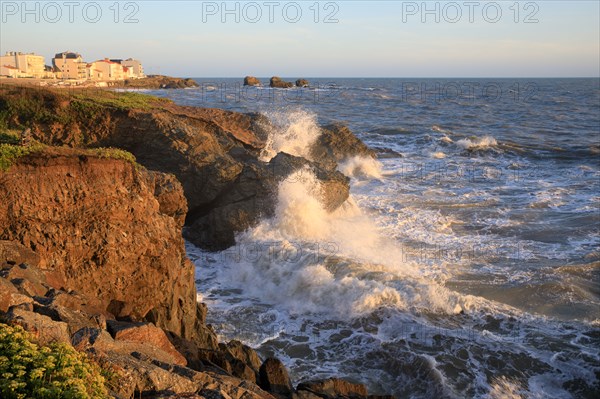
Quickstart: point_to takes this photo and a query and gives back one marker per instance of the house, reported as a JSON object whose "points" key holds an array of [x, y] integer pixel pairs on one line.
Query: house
{"points": [[109, 70], [70, 65], [29, 65], [137, 70]]}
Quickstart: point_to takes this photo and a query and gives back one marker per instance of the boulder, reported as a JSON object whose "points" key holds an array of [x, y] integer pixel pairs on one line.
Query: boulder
{"points": [[10, 296], [333, 388], [274, 378], [251, 81], [229, 364], [281, 84], [337, 143], [75, 319], [144, 333], [302, 83], [43, 328], [243, 353], [14, 253]]}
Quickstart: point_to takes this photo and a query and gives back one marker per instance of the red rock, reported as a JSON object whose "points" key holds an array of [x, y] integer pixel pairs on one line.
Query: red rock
{"points": [[147, 334]]}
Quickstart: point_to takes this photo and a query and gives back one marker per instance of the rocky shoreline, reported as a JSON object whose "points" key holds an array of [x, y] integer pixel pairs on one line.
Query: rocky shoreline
{"points": [[91, 245]]}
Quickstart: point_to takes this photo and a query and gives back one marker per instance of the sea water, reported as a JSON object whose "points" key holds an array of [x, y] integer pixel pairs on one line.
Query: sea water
{"points": [[466, 262]]}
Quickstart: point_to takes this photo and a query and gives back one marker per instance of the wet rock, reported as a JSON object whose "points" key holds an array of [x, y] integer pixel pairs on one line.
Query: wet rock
{"points": [[251, 81], [302, 83], [274, 378], [337, 143], [277, 82], [253, 196]]}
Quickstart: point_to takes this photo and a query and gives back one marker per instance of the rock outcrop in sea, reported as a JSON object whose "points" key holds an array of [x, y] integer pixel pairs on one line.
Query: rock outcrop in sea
{"points": [[91, 246], [251, 81], [277, 82]]}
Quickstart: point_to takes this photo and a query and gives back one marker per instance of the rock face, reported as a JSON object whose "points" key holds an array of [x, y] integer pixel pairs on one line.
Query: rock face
{"points": [[251, 81], [213, 153], [102, 231], [281, 84], [91, 251], [302, 83]]}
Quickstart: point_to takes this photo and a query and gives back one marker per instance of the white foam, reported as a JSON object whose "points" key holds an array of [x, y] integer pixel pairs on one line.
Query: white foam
{"points": [[361, 270], [290, 132], [361, 166], [477, 143]]}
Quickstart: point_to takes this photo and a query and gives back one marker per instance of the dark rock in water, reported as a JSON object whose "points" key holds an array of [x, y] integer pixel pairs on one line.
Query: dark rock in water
{"points": [[302, 83], [337, 143], [281, 84], [274, 377], [333, 388], [253, 195], [251, 81]]}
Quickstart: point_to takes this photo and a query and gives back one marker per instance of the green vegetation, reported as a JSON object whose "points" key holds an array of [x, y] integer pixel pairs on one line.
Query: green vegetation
{"points": [[9, 153], [114, 153], [120, 100], [9, 136], [21, 107], [28, 370]]}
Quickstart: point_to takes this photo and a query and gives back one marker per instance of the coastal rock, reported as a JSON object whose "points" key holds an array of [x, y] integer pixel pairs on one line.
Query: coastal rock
{"points": [[147, 334], [333, 388], [302, 83], [98, 220], [213, 153], [158, 82], [252, 196], [43, 328], [277, 82], [10, 296], [337, 143], [274, 378], [251, 81]]}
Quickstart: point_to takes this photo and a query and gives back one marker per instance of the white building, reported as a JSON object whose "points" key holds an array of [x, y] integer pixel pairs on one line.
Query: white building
{"points": [[29, 65]]}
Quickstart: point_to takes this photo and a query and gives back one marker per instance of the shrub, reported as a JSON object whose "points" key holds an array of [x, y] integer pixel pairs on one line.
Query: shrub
{"points": [[114, 153], [9, 153], [55, 371]]}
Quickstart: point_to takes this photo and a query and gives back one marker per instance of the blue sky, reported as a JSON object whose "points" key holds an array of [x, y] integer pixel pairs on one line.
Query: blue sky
{"points": [[359, 39]]}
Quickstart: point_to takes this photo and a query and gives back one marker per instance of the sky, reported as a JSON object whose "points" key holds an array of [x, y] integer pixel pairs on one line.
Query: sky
{"points": [[548, 38]]}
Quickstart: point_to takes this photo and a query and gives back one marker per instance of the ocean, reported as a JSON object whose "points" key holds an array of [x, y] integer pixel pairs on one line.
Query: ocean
{"points": [[466, 263]]}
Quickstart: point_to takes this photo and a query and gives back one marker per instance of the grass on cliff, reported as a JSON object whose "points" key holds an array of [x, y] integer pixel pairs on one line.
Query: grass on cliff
{"points": [[21, 107], [115, 153], [119, 100], [28, 370], [9, 153]]}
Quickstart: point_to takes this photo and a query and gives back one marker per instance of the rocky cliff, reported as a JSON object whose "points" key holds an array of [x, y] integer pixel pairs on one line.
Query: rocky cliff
{"points": [[91, 251], [213, 153]]}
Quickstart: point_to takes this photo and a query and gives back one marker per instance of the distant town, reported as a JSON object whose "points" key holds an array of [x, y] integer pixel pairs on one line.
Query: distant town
{"points": [[69, 67]]}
